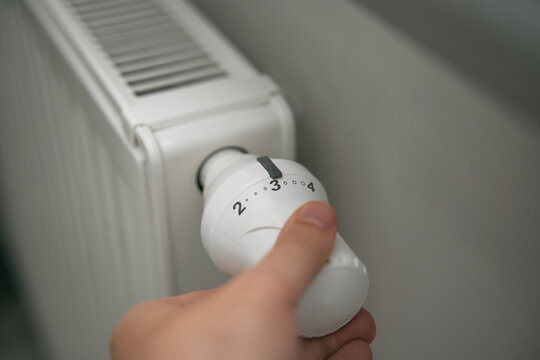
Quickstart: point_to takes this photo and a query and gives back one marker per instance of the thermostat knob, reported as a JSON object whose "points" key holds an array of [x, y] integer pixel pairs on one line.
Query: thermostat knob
{"points": [[247, 200]]}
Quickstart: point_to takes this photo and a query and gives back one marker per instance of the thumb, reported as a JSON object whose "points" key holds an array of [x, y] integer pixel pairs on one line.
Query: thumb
{"points": [[302, 248]]}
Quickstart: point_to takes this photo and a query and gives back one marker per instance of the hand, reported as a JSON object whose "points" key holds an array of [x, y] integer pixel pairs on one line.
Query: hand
{"points": [[252, 316]]}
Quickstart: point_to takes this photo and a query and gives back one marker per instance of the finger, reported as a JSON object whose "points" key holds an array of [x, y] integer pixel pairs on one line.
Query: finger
{"points": [[302, 248], [361, 327], [354, 350]]}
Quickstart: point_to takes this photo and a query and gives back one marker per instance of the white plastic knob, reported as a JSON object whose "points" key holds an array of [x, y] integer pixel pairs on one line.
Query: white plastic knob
{"points": [[247, 200]]}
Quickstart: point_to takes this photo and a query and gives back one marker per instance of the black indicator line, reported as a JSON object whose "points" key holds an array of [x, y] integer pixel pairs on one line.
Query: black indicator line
{"points": [[270, 167]]}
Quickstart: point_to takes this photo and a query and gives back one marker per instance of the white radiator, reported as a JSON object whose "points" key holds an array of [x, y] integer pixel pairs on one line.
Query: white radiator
{"points": [[107, 109]]}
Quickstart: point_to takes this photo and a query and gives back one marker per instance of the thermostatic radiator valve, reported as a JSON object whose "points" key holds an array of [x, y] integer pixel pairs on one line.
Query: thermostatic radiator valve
{"points": [[247, 200]]}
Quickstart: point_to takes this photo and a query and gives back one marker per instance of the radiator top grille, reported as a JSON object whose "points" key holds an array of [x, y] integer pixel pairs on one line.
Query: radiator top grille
{"points": [[150, 50]]}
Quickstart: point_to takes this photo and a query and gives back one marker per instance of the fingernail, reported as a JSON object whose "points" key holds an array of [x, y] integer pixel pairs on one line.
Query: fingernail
{"points": [[318, 214]]}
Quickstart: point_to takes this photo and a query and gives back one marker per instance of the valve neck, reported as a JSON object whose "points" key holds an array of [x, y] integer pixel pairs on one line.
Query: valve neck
{"points": [[218, 162]]}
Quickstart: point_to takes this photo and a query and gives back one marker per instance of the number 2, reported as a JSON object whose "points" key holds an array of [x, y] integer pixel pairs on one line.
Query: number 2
{"points": [[238, 205]]}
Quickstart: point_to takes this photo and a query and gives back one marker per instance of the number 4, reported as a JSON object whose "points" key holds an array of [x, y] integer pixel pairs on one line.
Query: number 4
{"points": [[310, 186]]}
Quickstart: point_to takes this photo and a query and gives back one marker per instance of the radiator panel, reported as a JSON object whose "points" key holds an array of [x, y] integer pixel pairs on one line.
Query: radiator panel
{"points": [[98, 186], [74, 197]]}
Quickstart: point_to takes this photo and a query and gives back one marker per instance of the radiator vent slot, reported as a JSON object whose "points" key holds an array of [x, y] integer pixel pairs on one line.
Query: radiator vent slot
{"points": [[148, 48]]}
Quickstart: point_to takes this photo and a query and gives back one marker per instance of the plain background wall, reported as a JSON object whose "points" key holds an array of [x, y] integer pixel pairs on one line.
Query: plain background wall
{"points": [[425, 130]]}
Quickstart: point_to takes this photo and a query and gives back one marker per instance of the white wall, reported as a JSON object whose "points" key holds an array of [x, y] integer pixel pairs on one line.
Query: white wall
{"points": [[434, 174]]}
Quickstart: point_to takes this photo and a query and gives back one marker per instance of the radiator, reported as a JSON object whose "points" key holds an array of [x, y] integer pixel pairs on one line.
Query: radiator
{"points": [[107, 109]]}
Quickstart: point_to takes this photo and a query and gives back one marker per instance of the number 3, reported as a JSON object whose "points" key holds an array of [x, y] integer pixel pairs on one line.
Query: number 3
{"points": [[276, 185]]}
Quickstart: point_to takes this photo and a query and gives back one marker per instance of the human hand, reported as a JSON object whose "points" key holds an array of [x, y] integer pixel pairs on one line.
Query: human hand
{"points": [[252, 316]]}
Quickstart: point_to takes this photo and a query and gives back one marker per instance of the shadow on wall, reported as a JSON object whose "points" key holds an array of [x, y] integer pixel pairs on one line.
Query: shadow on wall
{"points": [[496, 43]]}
